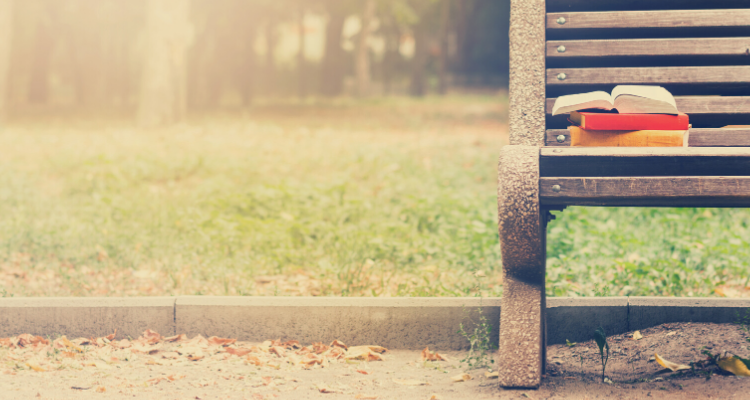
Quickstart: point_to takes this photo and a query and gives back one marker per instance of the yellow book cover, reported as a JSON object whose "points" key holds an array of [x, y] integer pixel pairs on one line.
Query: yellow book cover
{"points": [[583, 138]]}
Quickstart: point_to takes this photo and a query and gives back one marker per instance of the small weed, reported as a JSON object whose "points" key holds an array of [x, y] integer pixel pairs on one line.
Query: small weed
{"points": [[602, 291], [601, 340], [481, 347], [569, 343]]}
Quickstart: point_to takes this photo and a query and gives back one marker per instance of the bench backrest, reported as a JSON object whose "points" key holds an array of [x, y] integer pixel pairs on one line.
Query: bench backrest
{"points": [[698, 49]]}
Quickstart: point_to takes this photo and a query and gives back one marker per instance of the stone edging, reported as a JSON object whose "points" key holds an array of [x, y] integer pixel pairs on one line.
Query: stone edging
{"points": [[398, 323]]}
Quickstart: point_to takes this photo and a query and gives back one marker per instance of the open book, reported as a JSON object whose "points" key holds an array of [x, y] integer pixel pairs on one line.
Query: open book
{"points": [[626, 99]]}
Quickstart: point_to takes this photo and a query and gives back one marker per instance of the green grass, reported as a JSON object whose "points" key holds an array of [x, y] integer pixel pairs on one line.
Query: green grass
{"points": [[371, 198]]}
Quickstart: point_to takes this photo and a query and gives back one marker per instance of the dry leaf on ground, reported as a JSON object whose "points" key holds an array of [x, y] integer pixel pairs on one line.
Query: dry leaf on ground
{"points": [[338, 343], [35, 366], [436, 396], [323, 388], [432, 356], [410, 382], [176, 338], [491, 375], [670, 365], [734, 365], [220, 341], [461, 377], [637, 335]]}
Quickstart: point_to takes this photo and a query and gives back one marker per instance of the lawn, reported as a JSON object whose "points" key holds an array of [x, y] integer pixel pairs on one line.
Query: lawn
{"points": [[389, 197]]}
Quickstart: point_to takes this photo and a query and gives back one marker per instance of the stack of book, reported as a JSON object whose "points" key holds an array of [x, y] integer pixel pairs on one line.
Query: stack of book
{"points": [[632, 116]]}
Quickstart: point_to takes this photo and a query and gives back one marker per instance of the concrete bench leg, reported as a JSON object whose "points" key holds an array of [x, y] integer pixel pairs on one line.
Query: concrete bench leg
{"points": [[522, 223]]}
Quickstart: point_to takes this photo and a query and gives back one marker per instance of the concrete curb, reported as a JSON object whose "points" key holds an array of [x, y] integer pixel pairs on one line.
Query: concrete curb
{"points": [[398, 323], [86, 316]]}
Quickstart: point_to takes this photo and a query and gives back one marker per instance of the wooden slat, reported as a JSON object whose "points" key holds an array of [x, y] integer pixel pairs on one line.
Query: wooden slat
{"points": [[693, 191], [645, 161], [655, 75], [650, 19], [733, 46], [600, 5], [699, 137], [698, 105]]}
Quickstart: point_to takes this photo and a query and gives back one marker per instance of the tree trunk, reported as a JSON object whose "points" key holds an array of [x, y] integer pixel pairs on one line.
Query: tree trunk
{"points": [[6, 29], [362, 61], [443, 61], [270, 67], [39, 82], [332, 72], [419, 63], [301, 55], [390, 58], [169, 34]]}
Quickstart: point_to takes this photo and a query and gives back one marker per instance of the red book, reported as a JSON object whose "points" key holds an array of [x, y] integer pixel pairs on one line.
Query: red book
{"points": [[630, 122]]}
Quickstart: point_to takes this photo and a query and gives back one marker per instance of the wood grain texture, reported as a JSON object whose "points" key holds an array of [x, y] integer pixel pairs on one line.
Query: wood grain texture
{"points": [[647, 75], [698, 137], [644, 161], [733, 46], [693, 105], [692, 191], [650, 19]]}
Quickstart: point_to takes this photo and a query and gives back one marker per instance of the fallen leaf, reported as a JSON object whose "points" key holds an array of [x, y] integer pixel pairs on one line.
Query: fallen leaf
{"points": [[491, 375], [410, 382], [363, 353], [323, 388], [63, 342], [149, 337], [238, 352], [278, 350], [338, 343], [461, 377], [112, 336], [220, 341], [363, 372], [176, 338], [175, 377], [432, 356], [97, 363], [26, 340], [734, 365], [35, 366], [291, 344], [253, 360], [361, 396], [637, 335], [170, 355], [101, 389], [436, 396], [670, 365], [319, 348]]}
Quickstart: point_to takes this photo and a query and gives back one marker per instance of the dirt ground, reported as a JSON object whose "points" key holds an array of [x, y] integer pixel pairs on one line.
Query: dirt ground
{"points": [[573, 373]]}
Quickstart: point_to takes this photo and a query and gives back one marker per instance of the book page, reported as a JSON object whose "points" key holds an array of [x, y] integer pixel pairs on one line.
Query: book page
{"points": [[655, 97], [573, 102]]}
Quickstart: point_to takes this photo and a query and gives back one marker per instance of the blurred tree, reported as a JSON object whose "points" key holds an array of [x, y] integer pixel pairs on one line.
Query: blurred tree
{"points": [[424, 31], [169, 34], [333, 66], [6, 30], [362, 61]]}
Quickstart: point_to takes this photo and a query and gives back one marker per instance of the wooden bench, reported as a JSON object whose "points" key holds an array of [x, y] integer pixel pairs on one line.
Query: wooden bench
{"points": [[699, 50]]}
